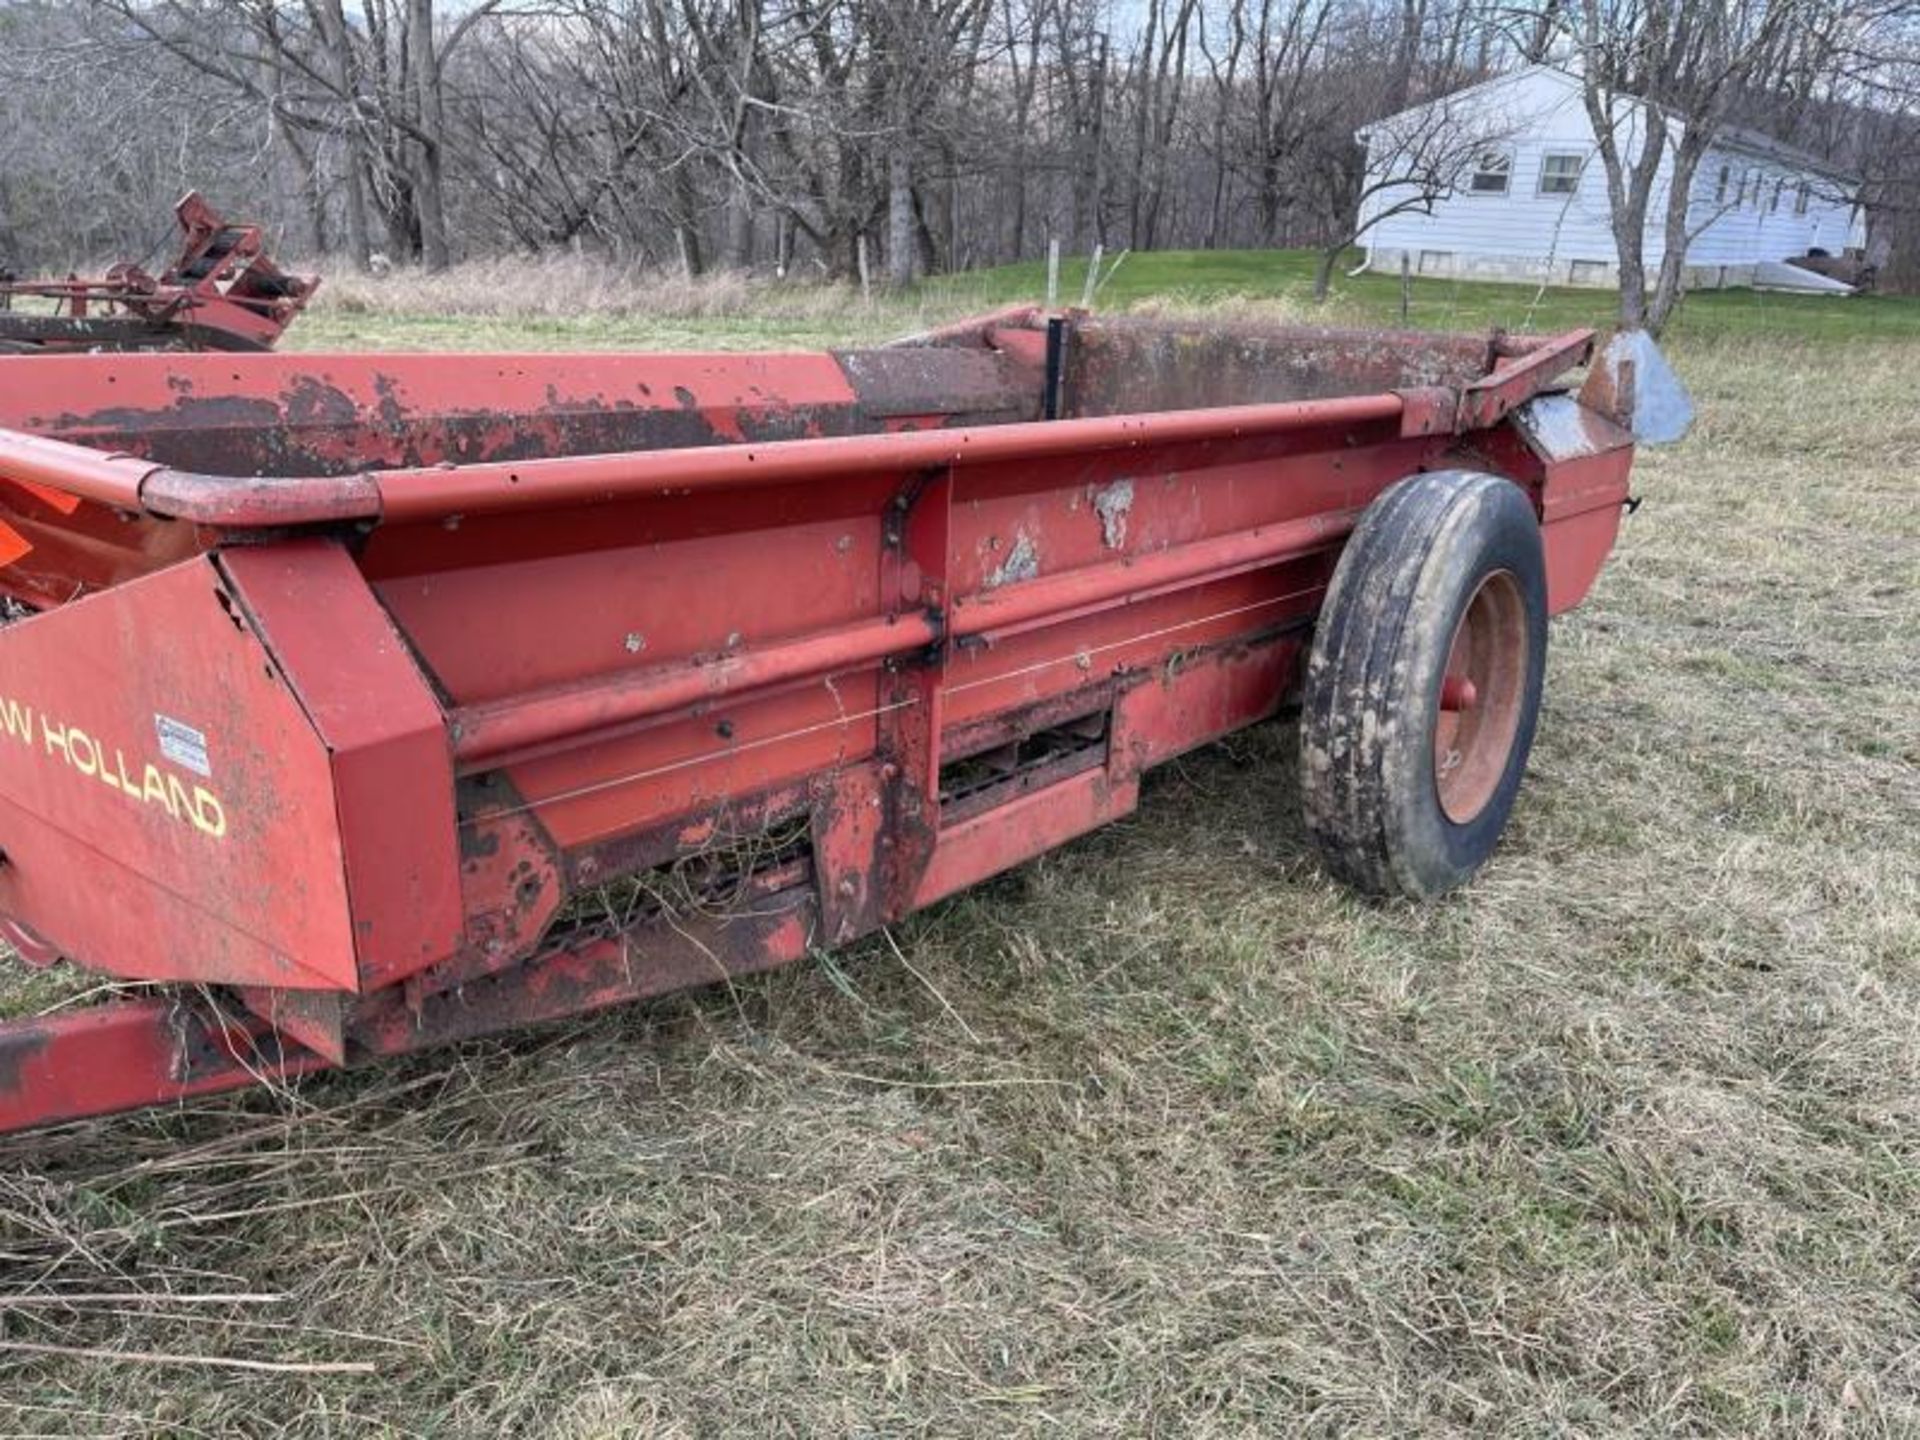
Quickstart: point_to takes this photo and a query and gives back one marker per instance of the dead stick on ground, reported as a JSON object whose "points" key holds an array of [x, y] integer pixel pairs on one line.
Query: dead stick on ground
{"points": [[901, 956], [219, 1362], [135, 1297]]}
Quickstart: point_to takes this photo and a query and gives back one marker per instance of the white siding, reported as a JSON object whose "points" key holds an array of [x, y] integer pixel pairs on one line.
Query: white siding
{"points": [[1741, 228], [1525, 232]]}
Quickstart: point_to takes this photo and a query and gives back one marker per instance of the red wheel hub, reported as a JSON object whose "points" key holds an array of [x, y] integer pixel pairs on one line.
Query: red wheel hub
{"points": [[1481, 698]]}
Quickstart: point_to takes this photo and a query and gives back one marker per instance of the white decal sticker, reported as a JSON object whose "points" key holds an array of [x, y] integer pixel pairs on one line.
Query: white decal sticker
{"points": [[183, 745]]}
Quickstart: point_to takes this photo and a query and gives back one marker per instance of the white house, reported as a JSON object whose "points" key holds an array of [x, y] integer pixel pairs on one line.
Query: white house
{"points": [[1524, 193]]}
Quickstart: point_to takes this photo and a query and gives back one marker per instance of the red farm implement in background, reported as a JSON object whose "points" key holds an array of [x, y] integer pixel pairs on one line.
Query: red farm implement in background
{"points": [[368, 702], [222, 293]]}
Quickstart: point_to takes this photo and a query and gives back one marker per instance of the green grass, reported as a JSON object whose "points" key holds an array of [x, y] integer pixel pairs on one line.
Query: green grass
{"points": [[1200, 277], [563, 306], [1164, 1133]]}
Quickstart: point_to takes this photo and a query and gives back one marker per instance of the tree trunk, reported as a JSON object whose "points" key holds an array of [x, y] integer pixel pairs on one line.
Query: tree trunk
{"points": [[900, 224], [737, 251], [434, 251], [1633, 289], [423, 63], [686, 230], [926, 243], [1629, 191], [288, 177], [9, 237], [1099, 167], [1670, 286], [1323, 272], [1413, 19], [401, 217], [338, 41], [1269, 202], [359, 240]]}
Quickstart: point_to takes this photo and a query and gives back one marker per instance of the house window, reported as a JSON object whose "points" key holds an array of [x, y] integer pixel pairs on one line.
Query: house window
{"points": [[1560, 174], [1801, 197], [1778, 186], [1720, 190], [1750, 186], [1492, 170]]}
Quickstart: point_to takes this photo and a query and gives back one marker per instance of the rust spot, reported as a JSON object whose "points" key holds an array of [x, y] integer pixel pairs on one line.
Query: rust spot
{"points": [[1113, 504], [1123, 365], [17, 1046], [1022, 563]]}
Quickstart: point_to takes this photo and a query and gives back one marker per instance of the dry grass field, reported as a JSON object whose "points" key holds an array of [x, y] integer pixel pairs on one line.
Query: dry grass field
{"points": [[1164, 1134]]}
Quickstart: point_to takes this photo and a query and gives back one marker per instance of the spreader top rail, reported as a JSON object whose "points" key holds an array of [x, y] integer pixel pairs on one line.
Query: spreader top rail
{"points": [[1519, 367], [435, 492]]}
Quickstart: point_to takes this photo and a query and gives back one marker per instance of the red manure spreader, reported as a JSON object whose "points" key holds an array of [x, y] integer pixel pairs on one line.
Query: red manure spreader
{"points": [[363, 703]]}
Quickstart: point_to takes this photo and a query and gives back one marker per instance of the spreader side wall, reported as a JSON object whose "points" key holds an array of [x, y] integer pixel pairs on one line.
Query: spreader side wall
{"points": [[330, 415], [503, 607], [166, 809]]}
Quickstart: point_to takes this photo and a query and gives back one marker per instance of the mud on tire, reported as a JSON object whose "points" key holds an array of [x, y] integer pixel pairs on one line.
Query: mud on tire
{"points": [[1423, 684]]}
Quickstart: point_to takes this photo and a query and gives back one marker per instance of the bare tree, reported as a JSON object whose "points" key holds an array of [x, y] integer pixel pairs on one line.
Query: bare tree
{"points": [[1401, 165], [1659, 80], [751, 133]]}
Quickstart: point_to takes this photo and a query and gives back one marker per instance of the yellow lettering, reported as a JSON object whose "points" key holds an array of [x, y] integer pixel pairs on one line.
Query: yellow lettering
{"points": [[155, 786], [208, 814], [153, 790], [79, 744], [18, 720]]}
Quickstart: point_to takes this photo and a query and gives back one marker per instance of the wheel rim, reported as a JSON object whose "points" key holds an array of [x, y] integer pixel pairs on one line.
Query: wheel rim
{"points": [[1481, 695]]}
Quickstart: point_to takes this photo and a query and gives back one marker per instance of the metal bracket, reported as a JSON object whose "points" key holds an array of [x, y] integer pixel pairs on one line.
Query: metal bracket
{"points": [[893, 525], [1057, 335]]}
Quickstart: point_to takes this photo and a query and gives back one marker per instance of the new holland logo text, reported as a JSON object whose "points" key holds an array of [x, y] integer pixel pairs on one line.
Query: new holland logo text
{"points": [[142, 782]]}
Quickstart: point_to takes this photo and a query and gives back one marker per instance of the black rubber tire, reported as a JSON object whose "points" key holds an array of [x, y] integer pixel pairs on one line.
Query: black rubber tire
{"points": [[1371, 699]]}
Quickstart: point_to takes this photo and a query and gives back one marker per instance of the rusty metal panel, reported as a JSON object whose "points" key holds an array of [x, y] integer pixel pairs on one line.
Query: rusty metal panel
{"points": [[985, 845], [627, 593], [1202, 696], [392, 763], [165, 806], [849, 824], [974, 387], [1518, 374], [282, 414], [1560, 427], [128, 1054], [657, 959], [1123, 365]]}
